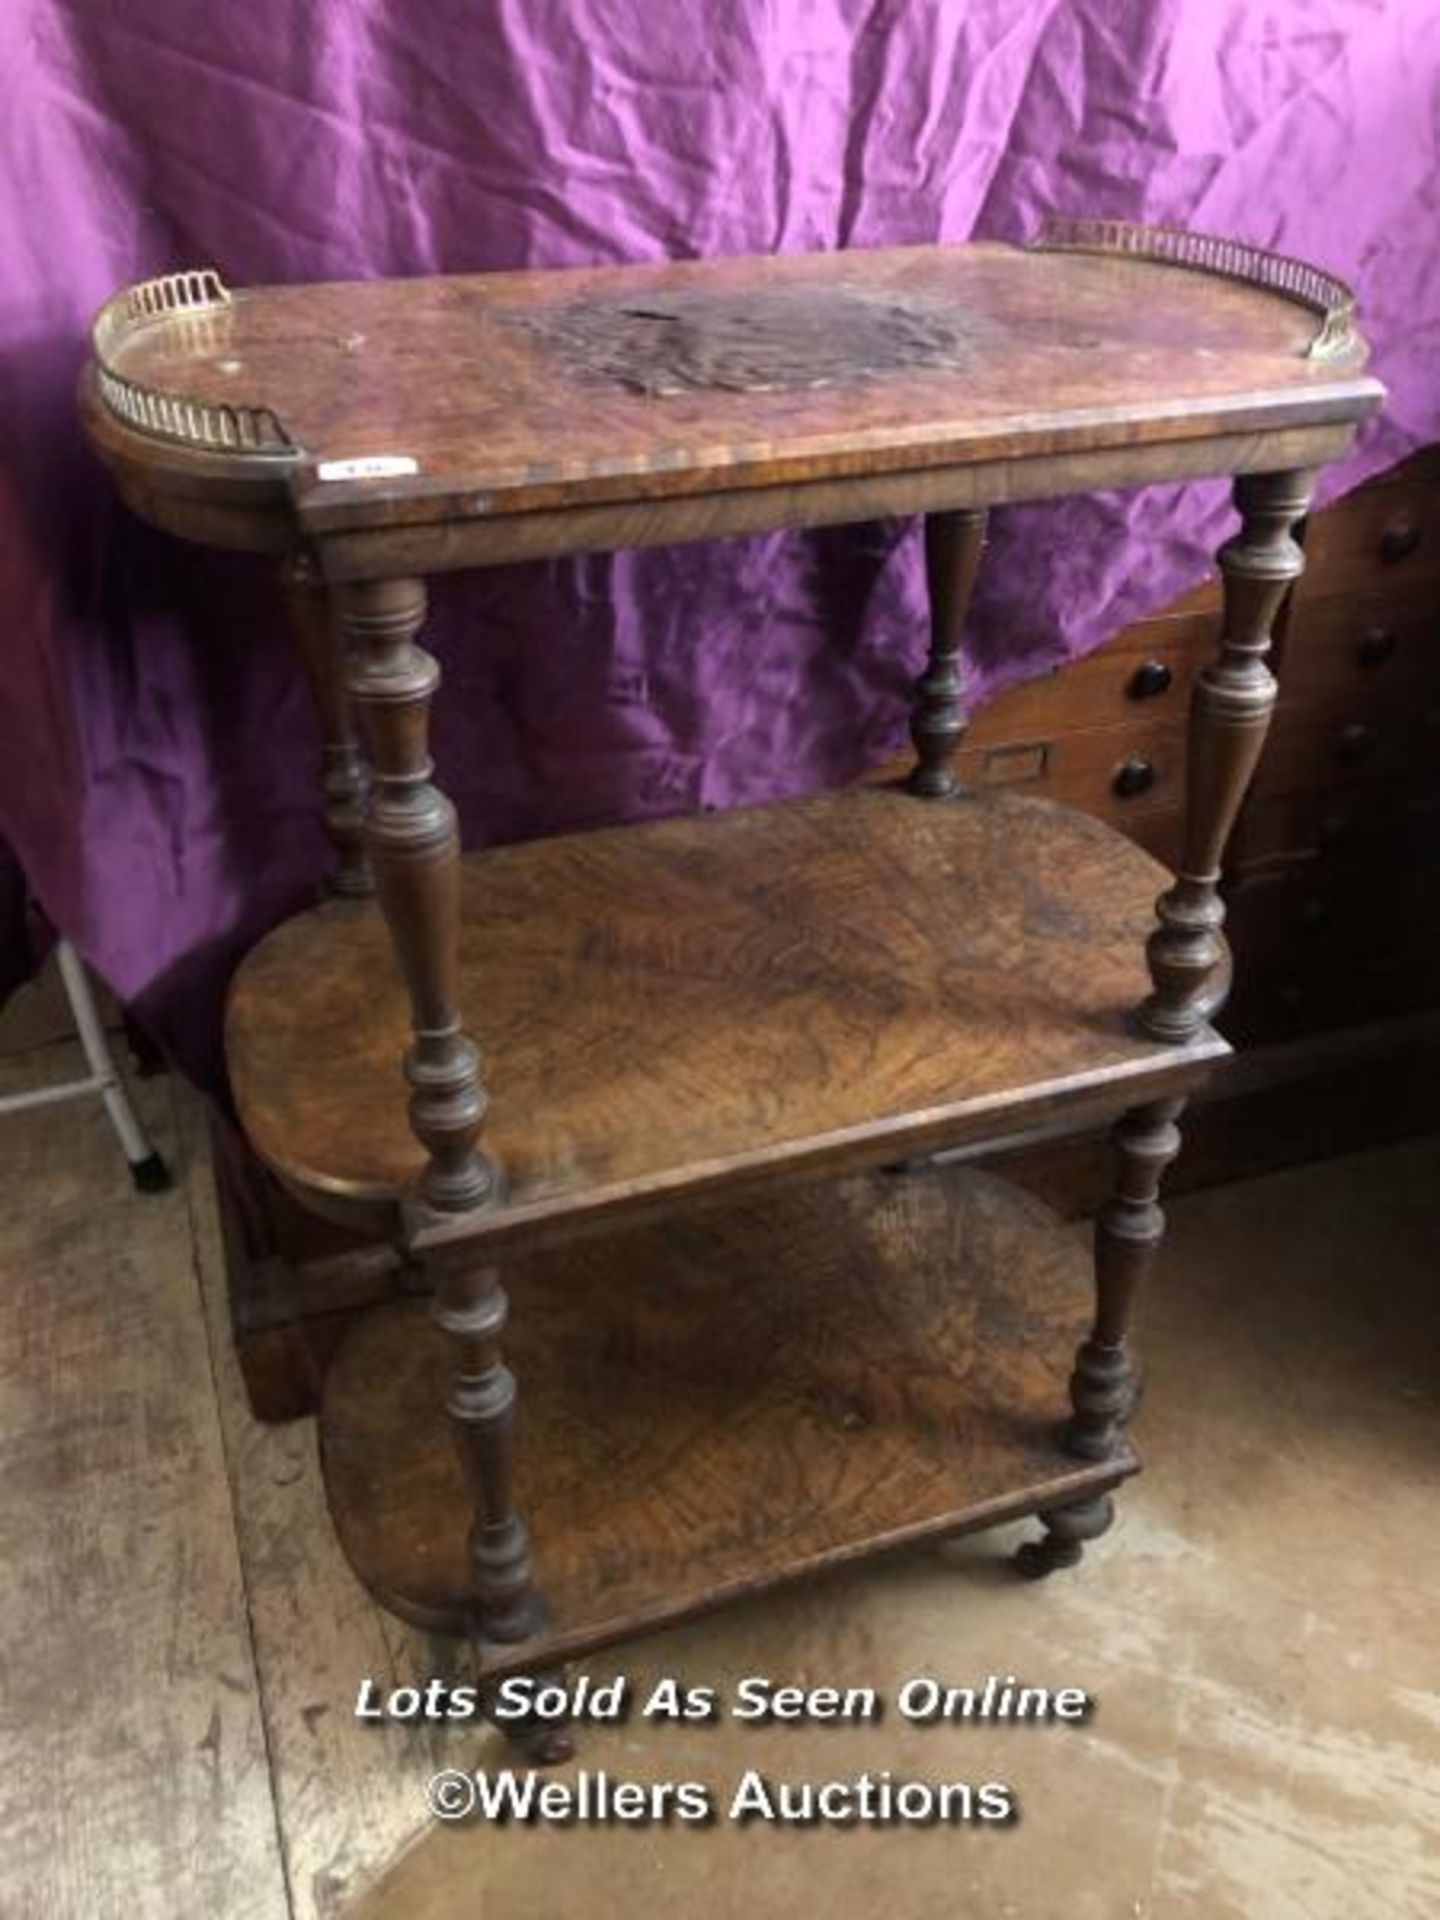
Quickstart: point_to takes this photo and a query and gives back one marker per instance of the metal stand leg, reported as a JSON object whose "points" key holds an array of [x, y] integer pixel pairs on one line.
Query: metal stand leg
{"points": [[147, 1169]]}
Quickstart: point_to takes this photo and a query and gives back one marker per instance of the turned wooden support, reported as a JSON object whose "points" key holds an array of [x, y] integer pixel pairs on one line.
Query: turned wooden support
{"points": [[414, 849], [345, 781], [953, 545], [1128, 1233], [471, 1308], [1229, 716]]}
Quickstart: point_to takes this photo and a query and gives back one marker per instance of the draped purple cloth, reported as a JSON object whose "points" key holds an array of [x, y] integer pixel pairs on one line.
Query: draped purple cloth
{"points": [[156, 746]]}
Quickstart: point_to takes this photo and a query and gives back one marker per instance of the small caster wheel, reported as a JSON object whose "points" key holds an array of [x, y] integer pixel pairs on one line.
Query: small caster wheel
{"points": [[1038, 1559], [547, 1741], [1063, 1541], [546, 1746]]}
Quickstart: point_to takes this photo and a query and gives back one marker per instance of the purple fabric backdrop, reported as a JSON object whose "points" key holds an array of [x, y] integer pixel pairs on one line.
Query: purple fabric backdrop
{"points": [[155, 745]]}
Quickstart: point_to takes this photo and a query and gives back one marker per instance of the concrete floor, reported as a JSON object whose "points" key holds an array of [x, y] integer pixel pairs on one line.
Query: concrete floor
{"points": [[1261, 1630]]}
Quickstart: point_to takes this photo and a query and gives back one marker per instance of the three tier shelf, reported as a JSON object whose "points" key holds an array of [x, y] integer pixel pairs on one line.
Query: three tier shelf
{"points": [[756, 1330]]}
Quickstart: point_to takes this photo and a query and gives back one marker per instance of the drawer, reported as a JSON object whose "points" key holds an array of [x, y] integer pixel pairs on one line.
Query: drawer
{"points": [[1337, 905], [1146, 671], [1331, 941], [1133, 777], [1386, 815], [1384, 536], [1312, 746], [1114, 772], [1312, 993], [1362, 651]]}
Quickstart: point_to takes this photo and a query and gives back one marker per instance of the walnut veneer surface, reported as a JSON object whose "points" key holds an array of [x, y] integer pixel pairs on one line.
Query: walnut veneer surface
{"points": [[732, 1400], [673, 1005], [477, 381], [555, 412]]}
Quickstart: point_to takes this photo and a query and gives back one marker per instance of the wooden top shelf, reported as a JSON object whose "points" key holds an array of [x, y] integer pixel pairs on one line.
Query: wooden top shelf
{"points": [[714, 1002], [498, 394]]}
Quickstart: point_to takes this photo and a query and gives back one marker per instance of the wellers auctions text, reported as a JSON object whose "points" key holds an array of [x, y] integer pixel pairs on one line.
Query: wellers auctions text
{"points": [[756, 1798]]}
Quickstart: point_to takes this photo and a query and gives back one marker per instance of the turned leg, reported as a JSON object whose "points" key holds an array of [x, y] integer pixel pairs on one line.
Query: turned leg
{"points": [[953, 544], [414, 849], [471, 1308], [1128, 1233], [312, 629], [1229, 717], [415, 854]]}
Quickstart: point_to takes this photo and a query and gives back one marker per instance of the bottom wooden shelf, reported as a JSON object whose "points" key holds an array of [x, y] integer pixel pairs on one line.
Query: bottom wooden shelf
{"points": [[729, 1400]]}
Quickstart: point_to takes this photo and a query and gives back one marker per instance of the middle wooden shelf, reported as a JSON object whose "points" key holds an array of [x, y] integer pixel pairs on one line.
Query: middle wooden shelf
{"points": [[704, 1003]]}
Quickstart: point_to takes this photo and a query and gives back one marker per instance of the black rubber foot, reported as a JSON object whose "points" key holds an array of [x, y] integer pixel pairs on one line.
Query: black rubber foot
{"points": [[151, 1175]]}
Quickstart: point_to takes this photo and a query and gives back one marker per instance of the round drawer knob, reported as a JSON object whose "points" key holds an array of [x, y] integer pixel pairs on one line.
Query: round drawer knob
{"points": [[1135, 776], [1149, 681], [1400, 541], [1376, 646], [1356, 741]]}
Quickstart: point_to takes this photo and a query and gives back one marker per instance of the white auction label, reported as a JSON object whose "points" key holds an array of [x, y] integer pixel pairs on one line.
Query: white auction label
{"points": [[375, 466]]}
